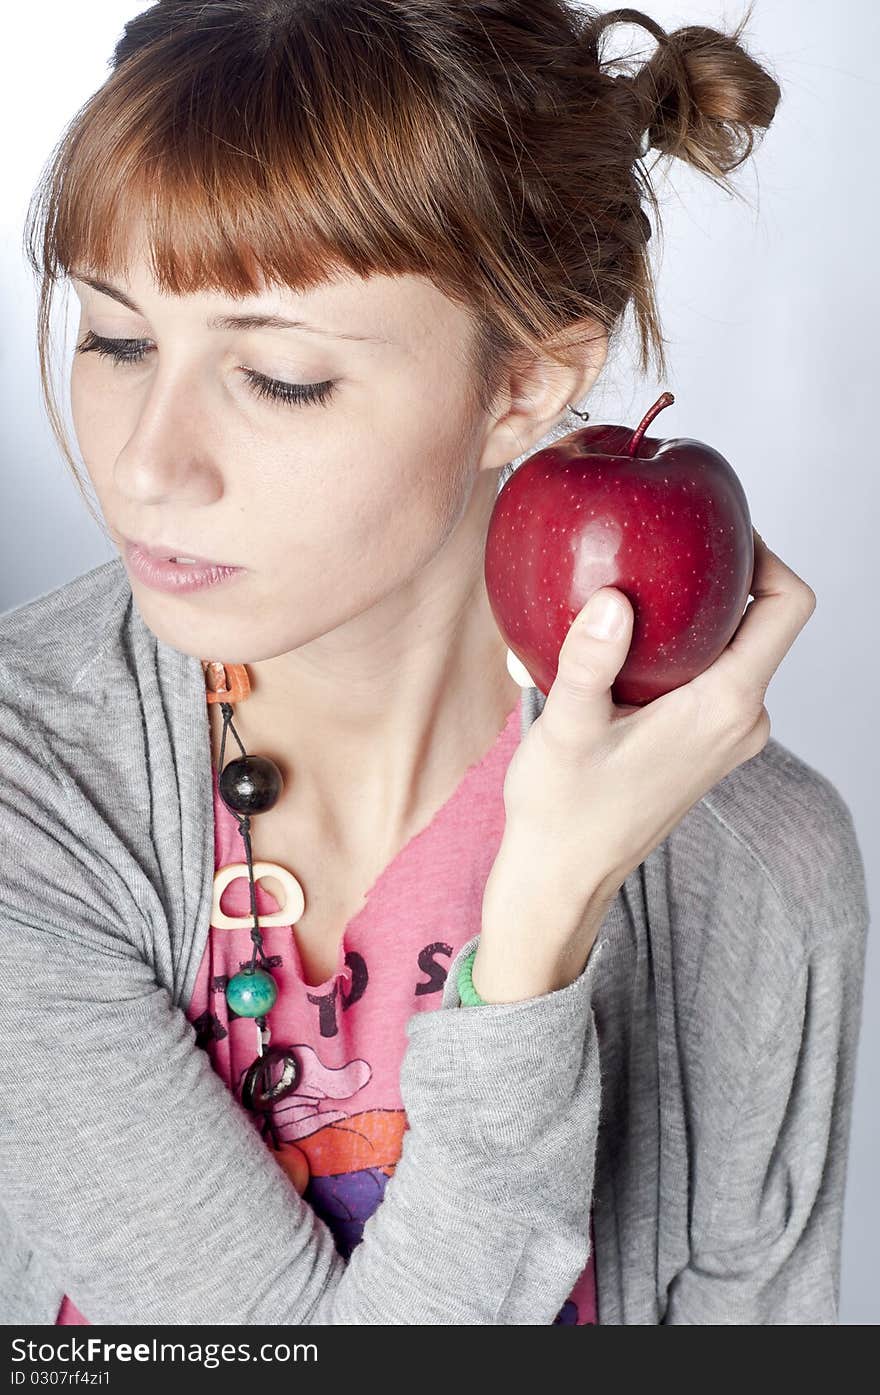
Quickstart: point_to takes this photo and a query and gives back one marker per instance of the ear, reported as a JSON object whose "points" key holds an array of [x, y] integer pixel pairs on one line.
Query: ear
{"points": [[536, 394]]}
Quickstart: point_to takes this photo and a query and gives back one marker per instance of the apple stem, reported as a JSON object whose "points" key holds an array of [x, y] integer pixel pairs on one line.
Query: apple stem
{"points": [[664, 400]]}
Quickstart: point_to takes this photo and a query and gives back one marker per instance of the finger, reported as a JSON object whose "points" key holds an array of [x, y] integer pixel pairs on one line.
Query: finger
{"points": [[579, 703], [782, 605]]}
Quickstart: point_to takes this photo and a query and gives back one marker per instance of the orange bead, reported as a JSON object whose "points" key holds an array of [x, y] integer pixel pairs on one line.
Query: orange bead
{"points": [[295, 1163], [225, 682]]}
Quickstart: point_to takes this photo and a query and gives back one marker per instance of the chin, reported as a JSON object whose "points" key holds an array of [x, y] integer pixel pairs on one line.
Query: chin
{"points": [[218, 642]]}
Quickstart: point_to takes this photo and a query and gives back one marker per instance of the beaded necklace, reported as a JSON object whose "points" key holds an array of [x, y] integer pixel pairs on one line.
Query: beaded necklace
{"points": [[250, 785]]}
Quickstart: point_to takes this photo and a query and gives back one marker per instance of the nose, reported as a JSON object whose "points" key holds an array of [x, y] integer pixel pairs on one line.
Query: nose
{"points": [[172, 446]]}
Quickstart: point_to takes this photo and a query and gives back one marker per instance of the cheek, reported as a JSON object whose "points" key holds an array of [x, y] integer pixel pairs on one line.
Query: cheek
{"points": [[395, 492], [99, 430], [423, 466], [362, 518], [78, 402]]}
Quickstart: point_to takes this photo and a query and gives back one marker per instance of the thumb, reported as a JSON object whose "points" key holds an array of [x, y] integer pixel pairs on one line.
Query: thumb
{"points": [[579, 703]]}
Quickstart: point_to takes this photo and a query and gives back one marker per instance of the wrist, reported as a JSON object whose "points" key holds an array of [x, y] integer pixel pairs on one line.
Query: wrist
{"points": [[498, 974], [526, 951]]}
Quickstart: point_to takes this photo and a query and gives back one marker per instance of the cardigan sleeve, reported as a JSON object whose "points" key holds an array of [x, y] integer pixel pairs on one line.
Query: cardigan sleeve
{"points": [[138, 1178], [768, 1251]]}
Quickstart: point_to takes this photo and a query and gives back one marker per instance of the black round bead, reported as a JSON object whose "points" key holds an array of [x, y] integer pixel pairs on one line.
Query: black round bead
{"points": [[250, 784]]}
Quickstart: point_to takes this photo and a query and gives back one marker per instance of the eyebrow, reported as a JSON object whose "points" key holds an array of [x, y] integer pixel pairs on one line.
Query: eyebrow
{"points": [[241, 321]]}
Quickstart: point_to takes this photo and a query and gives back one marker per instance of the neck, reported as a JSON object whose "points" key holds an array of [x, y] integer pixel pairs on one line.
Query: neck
{"points": [[374, 724]]}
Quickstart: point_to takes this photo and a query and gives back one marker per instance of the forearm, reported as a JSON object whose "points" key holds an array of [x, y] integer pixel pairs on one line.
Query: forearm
{"points": [[490, 1201], [118, 1137]]}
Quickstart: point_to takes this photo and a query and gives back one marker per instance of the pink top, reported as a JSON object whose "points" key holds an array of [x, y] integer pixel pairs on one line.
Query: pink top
{"points": [[343, 1126]]}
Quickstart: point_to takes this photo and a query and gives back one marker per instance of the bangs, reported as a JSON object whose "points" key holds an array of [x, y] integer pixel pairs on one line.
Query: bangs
{"points": [[240, 145], [286, 160]]}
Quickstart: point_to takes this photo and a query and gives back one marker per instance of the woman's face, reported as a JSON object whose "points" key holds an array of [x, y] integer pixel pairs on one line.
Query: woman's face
{"points": [[330, 505]]}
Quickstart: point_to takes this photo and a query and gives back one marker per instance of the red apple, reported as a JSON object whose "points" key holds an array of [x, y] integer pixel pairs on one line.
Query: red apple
{"points": [[664, 521]]}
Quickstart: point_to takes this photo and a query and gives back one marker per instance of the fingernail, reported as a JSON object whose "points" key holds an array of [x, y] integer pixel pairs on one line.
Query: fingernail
{"points": [[604, 617]]}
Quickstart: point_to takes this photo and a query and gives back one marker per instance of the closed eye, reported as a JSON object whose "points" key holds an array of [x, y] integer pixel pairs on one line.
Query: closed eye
{"points": [[127, 351]]}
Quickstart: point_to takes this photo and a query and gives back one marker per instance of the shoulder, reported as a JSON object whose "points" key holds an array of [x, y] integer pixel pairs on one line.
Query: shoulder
{"points": [[47, 642], [115, 718], [763, 876], [47, 704], [789, 823], [82, 727], [57, 653]]}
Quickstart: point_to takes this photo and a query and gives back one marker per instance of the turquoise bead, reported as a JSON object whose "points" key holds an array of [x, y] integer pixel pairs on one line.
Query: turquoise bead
{"points": [[251, 995]]}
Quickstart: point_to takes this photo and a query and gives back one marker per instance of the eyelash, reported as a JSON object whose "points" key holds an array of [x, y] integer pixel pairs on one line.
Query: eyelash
{"points": [[134, 351]]}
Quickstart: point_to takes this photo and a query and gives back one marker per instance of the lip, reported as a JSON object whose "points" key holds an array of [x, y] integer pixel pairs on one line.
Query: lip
{"points": [[163, 553], [162, 574]]}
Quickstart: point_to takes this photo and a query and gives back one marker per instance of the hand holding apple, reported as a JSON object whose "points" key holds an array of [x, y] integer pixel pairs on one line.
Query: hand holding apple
{"points": [[665, 521], [593, 788]]}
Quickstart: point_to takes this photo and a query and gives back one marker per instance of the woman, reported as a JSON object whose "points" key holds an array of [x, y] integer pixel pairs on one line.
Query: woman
{"points": [[598, 986]]}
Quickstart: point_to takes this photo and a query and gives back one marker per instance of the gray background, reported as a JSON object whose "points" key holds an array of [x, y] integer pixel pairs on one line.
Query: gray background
{"points": [[769, 307]]}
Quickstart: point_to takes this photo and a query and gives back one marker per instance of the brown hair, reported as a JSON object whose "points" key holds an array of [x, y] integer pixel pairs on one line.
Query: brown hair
{"points": [[485, 144]]}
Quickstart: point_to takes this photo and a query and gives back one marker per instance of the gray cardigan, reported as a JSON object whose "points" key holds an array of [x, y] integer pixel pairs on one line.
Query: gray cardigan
{"points": [[694, 1084]]}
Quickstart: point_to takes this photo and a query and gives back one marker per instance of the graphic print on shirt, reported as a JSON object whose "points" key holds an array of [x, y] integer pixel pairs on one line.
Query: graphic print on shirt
{"points": [[338, 1161], [341, 1127]]}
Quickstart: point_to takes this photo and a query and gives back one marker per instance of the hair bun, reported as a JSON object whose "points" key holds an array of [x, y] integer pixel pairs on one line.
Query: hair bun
{"points": [[699, 96]]}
